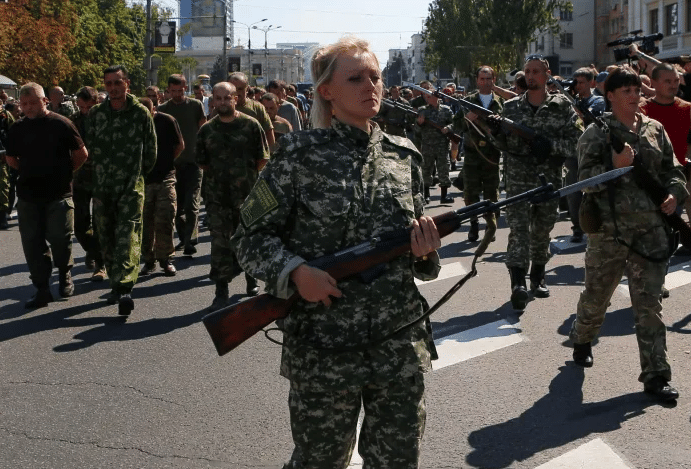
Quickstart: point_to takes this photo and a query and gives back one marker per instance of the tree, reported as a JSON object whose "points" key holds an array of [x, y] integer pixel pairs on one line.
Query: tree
{"points": [[464, 34]]}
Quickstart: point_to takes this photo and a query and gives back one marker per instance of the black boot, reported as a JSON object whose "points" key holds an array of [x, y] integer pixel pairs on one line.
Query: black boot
{"points": [[426, 194], [66, 285], [125, 304], [660, 388], [473, 234], [583, 354], [3, 220], [252, 285], [446, 199], [537, 281], [519, 292], [40, 299], [221, 297]]}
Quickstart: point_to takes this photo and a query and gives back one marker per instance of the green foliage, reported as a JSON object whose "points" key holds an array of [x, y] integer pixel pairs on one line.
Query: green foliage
{"points": [[464, 34], [171, 64]]}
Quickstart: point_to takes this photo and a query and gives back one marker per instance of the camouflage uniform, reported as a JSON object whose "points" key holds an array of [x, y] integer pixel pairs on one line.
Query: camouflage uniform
{"points": [[323, 191], [530, 228], [641, 225], [434, 145], [66, 109], [232, 152], [481, 160], [122, 145], [395, 120]]}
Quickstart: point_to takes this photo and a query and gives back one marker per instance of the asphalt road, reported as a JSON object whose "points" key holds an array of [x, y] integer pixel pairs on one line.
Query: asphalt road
{"points": [[81, 388]]}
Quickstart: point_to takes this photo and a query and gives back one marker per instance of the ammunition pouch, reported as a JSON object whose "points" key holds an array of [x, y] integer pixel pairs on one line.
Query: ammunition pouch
{"points": [[589, 214]]}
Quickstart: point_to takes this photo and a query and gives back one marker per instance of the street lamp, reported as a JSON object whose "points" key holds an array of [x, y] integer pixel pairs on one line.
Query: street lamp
{"points": [[249, 42], [266, 30]]}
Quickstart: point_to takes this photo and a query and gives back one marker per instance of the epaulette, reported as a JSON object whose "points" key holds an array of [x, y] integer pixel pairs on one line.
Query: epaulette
{"points": [[302, 138], [400, 142]]}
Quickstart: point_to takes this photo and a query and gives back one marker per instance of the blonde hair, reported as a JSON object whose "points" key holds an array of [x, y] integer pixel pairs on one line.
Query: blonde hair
{"points": [[323, 65]]}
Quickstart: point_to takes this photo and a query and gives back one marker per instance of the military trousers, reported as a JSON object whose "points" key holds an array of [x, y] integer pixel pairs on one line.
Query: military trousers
{"points": [[4, 187], [43, 224], [84, 228], [529, 225], [188, 188], [480, 177], [440, 158], [118, 217], [324, 424], [222, 223], [605, 263], [160, 204], [574, 200]]}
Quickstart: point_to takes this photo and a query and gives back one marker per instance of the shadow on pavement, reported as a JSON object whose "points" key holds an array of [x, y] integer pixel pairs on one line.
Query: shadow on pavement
{"points": [[617, 323]]}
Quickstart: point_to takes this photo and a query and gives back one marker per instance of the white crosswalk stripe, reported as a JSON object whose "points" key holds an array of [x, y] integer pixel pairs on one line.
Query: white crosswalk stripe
{"points": [[677, 276], [455, 269], [595, 454]]}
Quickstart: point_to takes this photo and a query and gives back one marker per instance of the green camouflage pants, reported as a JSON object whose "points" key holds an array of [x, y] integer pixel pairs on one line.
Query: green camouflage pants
{"points": [[440, 158], [160, 204], [605, 263], [530, 225], [118, 218], [324, 424], [222, 223], [188, 187], [4, 187]]}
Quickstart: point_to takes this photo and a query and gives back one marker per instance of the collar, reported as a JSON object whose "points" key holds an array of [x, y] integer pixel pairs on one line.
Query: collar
{"points": [[356, 136]]}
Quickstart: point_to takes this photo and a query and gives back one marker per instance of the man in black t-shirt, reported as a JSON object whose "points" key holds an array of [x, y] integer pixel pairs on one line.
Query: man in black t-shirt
{"points": [[45, 148], [160, 198]]}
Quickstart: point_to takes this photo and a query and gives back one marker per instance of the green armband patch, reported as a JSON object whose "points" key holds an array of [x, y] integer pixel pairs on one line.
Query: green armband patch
{"points": [[260, 202]]}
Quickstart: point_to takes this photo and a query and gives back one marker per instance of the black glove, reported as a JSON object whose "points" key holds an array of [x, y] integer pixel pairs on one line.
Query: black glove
{"points": [[494, 123], [541, 148]]}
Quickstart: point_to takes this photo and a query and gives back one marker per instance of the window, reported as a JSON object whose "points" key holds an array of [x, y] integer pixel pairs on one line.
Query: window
{"points": [[671, 19], [566, 40], [653, 22], [565, 15], [566, 70]]}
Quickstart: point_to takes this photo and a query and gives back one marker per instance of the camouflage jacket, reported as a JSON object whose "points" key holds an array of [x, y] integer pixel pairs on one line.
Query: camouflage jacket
{"points": [[66, 109], [122, 145], [636, 213], [474, 143], [431, 137], [395, 120], [554, 119], [232, 152], [323, 191]]}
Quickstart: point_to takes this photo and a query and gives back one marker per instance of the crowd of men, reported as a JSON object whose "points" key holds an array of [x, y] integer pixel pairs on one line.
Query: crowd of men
{"points": [[123, 174]]}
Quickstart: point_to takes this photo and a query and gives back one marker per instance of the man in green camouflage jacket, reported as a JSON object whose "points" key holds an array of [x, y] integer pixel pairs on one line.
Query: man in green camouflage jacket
{"points": [[231, 149], [122, 141], [558, 129]]}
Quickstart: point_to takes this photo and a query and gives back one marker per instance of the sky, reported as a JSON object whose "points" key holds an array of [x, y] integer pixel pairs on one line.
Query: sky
{"points": [[386, 24]]}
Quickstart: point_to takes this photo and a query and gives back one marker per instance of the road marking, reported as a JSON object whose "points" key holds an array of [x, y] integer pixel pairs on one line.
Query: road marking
{"points": [[356, 460], [595, 454], [677, 276], [454, 269], [563, 245], [474, 342]]}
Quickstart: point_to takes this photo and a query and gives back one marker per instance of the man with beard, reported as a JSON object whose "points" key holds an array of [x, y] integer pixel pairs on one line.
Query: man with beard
{"points": [[231, 149]]}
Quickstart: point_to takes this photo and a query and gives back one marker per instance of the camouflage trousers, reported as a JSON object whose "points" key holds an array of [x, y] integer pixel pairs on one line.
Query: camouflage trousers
{"points": [[440, 158], [4, 187], [529, 225], [160, 204], [324, 425], [605, 263], [188, 187], [42, 224], [480, 177], [118, 218], [222, 223], [84, 229]]}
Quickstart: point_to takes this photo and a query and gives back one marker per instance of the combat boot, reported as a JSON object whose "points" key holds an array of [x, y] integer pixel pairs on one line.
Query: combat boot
{"points": [[446, 199], [473, 232], [660, 388], [426, 195], [221, 297], [583, 354], [252, 285], [4, 225], [66, 285], [519, 292], [40, 299], [537, 281], [125, 304]]}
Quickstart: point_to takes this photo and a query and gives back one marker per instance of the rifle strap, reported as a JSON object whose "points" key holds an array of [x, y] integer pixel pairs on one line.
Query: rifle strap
{"points": [[475, 144]]}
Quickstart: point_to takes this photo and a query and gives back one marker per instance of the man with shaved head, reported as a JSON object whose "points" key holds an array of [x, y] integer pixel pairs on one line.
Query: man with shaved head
{"points": [[231, 149], [57, 103]]}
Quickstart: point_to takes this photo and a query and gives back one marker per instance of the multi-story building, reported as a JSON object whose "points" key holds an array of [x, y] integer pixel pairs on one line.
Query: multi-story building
{"points": [[308, 49], [205, 19], [611, 23], [671, 18]]}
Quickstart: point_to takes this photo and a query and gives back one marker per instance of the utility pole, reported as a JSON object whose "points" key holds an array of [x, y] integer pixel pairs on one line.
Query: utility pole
{"points": [[225, 38]]}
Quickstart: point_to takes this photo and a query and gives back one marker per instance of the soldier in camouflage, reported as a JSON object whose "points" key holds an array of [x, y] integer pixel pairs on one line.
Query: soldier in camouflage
{"points": [[324, 190], [231, 149], [122, 141], [634, 238], [57, 103], [558, 128], [434, 145], [396, 121]]}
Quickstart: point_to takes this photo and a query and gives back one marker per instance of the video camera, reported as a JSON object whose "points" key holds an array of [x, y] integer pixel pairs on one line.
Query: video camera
{"points": [[647, 44]]}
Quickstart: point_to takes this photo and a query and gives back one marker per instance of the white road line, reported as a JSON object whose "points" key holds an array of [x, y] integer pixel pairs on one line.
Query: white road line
{"points": [[678, 276], [356, 461], [595, 454], [475, 342], [455, 269]]}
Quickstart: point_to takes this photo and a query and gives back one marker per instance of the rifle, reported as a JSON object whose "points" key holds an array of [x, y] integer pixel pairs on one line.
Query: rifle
{"points": [[655, 190], [232, 325], [506, 125], [411, 110]]}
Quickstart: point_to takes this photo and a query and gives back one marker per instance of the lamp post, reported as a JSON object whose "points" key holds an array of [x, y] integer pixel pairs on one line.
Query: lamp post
{"points": [[266, 30], [249, 41]]}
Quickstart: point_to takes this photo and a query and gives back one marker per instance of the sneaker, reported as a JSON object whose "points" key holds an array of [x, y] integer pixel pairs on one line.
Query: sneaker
{"points": [[148, 268], [125, 305], [99, 274], [168, 268]]}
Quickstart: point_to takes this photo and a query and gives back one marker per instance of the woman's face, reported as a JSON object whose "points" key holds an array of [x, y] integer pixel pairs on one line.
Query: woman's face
{"points": [[355, 89], [625, 99]]}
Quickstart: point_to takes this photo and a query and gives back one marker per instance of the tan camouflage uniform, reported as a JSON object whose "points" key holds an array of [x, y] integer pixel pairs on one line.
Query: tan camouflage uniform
{"points": [[434, 145], [122, 145], [642, 226], [323, 191]]}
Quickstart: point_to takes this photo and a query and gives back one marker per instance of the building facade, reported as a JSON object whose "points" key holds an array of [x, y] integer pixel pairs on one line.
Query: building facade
{"points": [[671, 18]]}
